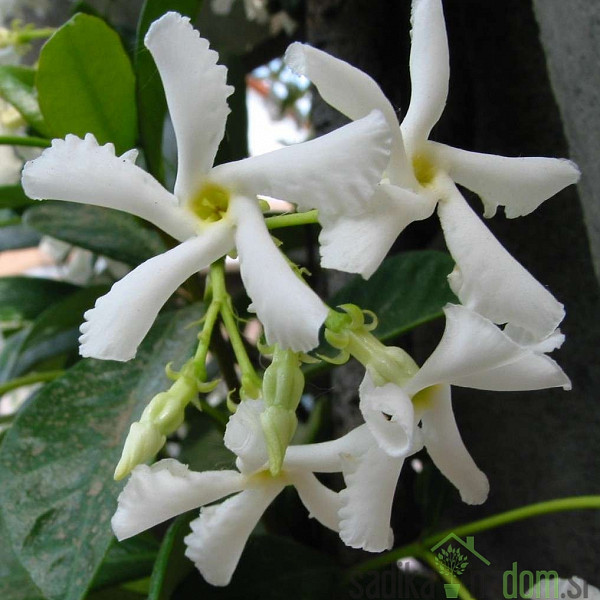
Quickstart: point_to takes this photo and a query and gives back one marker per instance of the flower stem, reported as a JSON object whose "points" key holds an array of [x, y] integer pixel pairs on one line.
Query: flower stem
{"points": [[511, 516], [28, 35], [251, 382], [292, 219], [20, 140], [29, 379]]}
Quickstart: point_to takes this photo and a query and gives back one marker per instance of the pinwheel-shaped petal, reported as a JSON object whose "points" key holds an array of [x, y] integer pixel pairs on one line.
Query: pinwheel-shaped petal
{"points": [[427, 172], [212, 210]]}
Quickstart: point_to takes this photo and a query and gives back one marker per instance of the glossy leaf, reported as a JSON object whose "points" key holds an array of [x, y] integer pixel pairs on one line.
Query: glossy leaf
{"points": [[86, 84], [15, 237], [29, 296], [15, 583], [111, 233], [56, 462], [171, 565], [13, 196], [17, 87], [127, 560], [152, 105], [407, 290]]}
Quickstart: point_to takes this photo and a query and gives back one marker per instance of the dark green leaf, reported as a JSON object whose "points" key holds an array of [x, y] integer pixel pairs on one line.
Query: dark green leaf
{"points": [[15, 583], [55, 331], [64, 315], [13, 196], [407, 290], [203, 448], [127, 560], [17, 87], [85, 83], [152, 105], [269, 565], [108, 232], [56, 462], [29, 296], [171, 565], [18, 236]]}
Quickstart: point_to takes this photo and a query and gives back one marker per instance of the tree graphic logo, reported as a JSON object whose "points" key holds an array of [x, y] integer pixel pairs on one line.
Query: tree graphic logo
{"points": [[451, 562]]}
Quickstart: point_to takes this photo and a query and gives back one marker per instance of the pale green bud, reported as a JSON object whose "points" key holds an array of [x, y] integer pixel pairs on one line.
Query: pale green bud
{"points": [[279, 426], [283, 384], [142, 443]]}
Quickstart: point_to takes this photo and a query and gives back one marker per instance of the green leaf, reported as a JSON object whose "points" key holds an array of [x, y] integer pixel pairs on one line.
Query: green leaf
{"points": [[85, 83], [152, 105], [127, 560], [15, 583], [111, 233], [18, 236], [29, 296], [13, 196], [171, 565], [17, 87], [407, 290], [56, 462], [269, 565]]}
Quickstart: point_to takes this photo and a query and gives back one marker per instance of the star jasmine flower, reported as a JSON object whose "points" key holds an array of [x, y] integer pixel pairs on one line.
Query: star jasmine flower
{"points": [[423, 174], [168, 488], [472, 353], [417, 412], [212, 210]]}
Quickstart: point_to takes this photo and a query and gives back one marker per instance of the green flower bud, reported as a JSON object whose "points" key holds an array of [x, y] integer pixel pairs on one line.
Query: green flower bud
{"points": [[142, 443]]}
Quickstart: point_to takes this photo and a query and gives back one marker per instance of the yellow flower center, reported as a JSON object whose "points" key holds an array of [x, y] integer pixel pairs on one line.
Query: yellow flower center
{"points": [[210, 203], [424, 169], [422, 401]]}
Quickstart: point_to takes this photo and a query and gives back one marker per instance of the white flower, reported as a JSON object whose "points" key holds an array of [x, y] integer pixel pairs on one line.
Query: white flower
{"points": [[167, 488], [212, 210], [472, 353], [422, 174]]}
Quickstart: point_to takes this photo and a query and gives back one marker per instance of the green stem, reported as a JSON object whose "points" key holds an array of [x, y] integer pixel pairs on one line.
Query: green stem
{"points": [[210, 319], [28, 35], [510, 516], [13, 384], [250, 378], [463, 592], [292, 220], [19, 140]]}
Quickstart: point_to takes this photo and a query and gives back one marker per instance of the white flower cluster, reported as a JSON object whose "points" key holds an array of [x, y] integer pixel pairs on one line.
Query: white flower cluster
{"points": [[368, 180]]}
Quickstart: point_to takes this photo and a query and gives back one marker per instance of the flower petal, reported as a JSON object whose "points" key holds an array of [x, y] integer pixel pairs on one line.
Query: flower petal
{"points": [[322, 503], [389, 414], [371, 480], [245, 438], [359, 243], [80, 170], [474, 353], [166, 489], [354, 94], [519, 184], [326, 457], [429, 72], [121, 319], [220, 533], [290, 311], [196, 90], [336, 172], [447, 450], [487, 279]]}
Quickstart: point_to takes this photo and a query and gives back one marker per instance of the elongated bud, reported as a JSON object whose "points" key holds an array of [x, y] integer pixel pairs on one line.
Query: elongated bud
{"points": [[350, 334], [283, 384], [163, 415], [143, 441]]}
